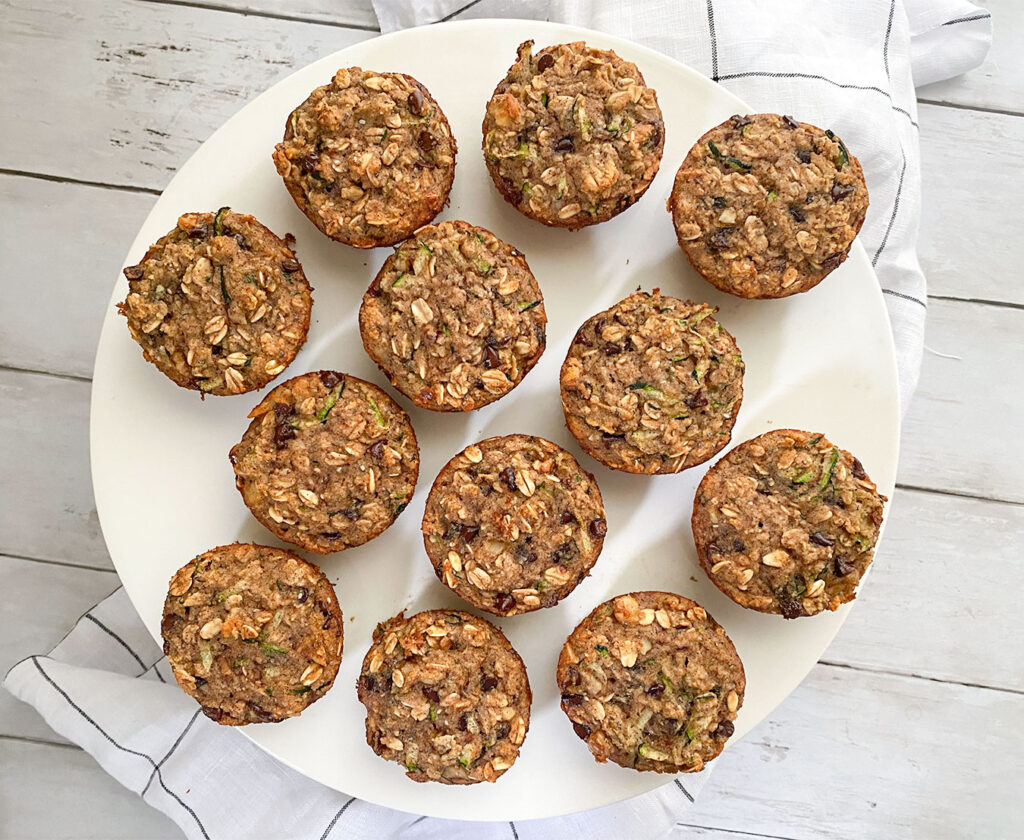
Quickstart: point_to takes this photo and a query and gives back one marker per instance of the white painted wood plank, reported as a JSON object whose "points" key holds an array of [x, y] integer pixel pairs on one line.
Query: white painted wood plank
{"points": [[999, 82], [934, 604], [971, 164], [138, 85], [60, 793], [357, 13], [854, 754], [962, 432], [48, 508], [41, 602], [55, 299]]}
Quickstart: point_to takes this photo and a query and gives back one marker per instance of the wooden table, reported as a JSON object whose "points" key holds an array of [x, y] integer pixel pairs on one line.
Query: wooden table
{"points": [[912, 722]]}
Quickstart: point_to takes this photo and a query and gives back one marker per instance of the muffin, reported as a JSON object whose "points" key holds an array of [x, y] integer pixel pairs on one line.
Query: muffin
{"points": [[446, 696], [766, 207], [787, 523], [368, 158], [513, 524], [652, 682], [652, 385], [252, 633], [328, 462], [220, 305], [572, 135], [454, 318]]}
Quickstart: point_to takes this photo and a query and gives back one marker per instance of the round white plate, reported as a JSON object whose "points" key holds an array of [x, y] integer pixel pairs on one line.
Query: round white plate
{"points": [[165, 490]]}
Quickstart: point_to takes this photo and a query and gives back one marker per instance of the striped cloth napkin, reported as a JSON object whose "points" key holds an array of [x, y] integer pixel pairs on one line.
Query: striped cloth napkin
{"points": [[852, 66]]}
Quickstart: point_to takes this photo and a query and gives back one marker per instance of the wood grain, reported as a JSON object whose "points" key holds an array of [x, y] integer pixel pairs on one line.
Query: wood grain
{"points": [[352, 13]]}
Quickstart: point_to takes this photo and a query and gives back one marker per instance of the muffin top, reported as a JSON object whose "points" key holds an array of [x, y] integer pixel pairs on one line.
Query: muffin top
{"points": [[765, 206], [787, 523], [328, 462], [368, 158], [572, 135], [253, 633], [652, 385], [454, 318], [219, 304]]}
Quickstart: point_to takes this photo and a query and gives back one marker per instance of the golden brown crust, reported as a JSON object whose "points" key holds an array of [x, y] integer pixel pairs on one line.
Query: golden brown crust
{"points": [[652, 682], [786, 523], [254, 634], [328, 462], [446, 695]]}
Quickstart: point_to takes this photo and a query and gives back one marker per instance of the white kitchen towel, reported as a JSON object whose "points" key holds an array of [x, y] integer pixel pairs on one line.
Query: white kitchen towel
{"points": [[848, 66], [851, 66]]}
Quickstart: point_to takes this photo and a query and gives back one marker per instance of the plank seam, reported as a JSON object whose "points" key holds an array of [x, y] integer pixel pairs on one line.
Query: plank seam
{"points": [[214, 7], [64, 179], [910, 675]]}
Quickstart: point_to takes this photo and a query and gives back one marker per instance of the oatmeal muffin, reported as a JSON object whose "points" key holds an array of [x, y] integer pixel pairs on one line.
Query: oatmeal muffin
{"points": [[651, 681], [368, 158], [446, 695], [787, 523], [328, 462], [220, 305], [513, 524], [253, 633], [572, 135], [652, 385], [454, 318], [765, 206]]}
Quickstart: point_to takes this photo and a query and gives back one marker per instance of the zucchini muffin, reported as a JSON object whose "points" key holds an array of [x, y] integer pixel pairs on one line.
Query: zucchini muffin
{"points": [[766, 207], [328, 462], [652, 385], [572, 136], [513, 524], [454, 318], [446, 695], [253, 633], [787, 523], [368, 158], [220, 305], [652, 682]]}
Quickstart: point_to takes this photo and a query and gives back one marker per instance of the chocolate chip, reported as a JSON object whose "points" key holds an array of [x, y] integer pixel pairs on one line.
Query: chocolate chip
{"points": [[368, 682], [491, 358], [329, 378], [739, 546], [240, 240], [310, 162], [725, 729], [612, 349], [790, 607], [598, 527], [697, 400], [462, 723], [565, 145], [524, 554], [819, 538], [469, 532], [377, 450], [655, 137], [417, 102], [258, 711], [504, 602], [426, 141], [489, 683], [797, 214], [303, 595], [200, 682], [568, 518], [789, 122], [803, 155], [501, 730], [328, 621], [213, 713], [858, 469], [134, 272], [832, 261], [508, 475], [431, 695], [283, 431], [842, 566], [582, 730], [656, 690], [291, 265], [572, 699], [840, 191], [564, 553], [718, 202], [545, 61], [199, 232], [719, 240]]}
